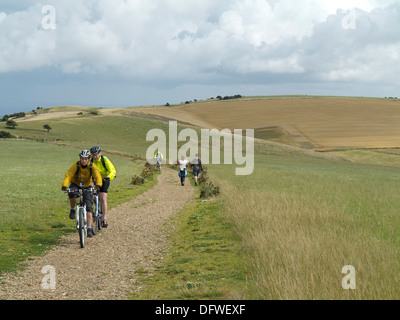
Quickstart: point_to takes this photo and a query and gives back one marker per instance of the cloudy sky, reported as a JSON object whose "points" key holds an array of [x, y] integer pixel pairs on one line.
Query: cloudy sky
{"points": [[144, 52]]}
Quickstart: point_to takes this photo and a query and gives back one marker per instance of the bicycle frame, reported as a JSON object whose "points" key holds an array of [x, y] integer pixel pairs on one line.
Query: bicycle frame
{"points": [[81, 216]]}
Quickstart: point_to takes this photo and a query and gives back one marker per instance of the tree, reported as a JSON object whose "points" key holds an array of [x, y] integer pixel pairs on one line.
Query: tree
{"points": [[11, 123], [47, 127]]}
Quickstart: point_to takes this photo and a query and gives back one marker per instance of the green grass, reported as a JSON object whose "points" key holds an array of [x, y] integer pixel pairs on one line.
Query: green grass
{"points": [[115, 134], [33, 209], [302, 218], [204, 261], [383, 157]]}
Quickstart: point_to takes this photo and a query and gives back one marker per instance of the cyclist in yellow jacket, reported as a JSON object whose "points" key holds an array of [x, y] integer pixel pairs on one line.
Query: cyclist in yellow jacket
{"points": [[159, 158], [80, 176], [108, 173]]}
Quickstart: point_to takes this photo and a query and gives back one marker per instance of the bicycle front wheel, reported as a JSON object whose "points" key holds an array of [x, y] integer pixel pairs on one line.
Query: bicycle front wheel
{"points": [[81, 229]]}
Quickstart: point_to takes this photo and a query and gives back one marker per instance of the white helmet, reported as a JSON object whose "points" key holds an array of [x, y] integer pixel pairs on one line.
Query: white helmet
{"points": [[84, 154]]}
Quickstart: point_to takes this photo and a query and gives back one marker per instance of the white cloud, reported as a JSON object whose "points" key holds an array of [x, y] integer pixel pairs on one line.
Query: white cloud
{"points": [[185, 40], [2, 16]]}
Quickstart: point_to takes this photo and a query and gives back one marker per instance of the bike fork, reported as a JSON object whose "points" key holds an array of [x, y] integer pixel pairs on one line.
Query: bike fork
{"points": [[77, 217]]}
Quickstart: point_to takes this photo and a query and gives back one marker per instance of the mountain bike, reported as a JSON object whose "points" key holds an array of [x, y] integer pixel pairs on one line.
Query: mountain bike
{"points": [[81, 221]]}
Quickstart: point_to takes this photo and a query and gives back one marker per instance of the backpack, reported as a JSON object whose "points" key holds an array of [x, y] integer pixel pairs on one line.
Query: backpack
{"points": [[197, 165], [79, 168]]}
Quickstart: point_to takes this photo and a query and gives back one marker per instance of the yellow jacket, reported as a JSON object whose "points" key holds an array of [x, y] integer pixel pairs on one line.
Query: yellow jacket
{"points": [[85, 175], [108, 171]]}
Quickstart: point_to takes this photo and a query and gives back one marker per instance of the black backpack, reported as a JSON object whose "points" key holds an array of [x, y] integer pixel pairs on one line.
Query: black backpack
{"points": [[78, 168]]}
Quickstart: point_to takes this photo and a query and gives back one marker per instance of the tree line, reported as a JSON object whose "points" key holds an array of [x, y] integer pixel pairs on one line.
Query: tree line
{"points": [[236, 96]]}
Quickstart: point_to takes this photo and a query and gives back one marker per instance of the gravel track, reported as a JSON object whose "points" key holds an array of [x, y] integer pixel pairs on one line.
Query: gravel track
{"points": [[105, 268]]}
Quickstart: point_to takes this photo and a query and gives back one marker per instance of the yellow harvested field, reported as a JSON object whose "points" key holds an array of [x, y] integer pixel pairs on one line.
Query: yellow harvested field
{"points": [[319, 123]]}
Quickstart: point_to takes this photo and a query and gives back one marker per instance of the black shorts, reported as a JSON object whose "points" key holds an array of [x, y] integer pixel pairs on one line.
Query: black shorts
{"points": [[105, 186], [87, 196]]}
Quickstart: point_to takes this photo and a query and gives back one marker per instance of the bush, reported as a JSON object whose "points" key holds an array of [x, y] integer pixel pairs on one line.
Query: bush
{"points": [[147, 172], [208, 190], [136, 180], [17, 115], [5, 134], [236, 96]]}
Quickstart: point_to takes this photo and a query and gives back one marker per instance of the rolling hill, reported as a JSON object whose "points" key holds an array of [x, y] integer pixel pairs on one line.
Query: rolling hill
{"points": [[318, 123]]}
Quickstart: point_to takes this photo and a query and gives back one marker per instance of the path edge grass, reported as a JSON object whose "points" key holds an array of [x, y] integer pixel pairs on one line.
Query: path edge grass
{"points": [[202, 259]]}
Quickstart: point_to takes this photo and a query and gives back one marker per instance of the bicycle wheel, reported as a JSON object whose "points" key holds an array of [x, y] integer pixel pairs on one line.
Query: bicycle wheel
{"points": [[100, 221], [95, 224], [82, 227]]}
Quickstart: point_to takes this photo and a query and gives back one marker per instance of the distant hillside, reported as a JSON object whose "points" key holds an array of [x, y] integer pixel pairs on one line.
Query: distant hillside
{"points": [[319, 123]]}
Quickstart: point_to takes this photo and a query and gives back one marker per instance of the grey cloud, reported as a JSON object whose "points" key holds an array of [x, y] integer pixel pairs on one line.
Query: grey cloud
{"points": [[173, 44]]}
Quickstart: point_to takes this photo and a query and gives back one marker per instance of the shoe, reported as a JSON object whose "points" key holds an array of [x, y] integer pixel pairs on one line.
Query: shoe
{"points": [[72, 214], [89, 232], [105, 224], [195, 183]]}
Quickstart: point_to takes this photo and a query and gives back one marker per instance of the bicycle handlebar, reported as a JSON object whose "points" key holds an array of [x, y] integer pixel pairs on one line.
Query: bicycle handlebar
{"points": [[80, 190]]}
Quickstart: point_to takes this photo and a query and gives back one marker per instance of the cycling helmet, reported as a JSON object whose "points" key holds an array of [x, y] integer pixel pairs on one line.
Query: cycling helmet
{"points": [[84, 154], [95, 150]]}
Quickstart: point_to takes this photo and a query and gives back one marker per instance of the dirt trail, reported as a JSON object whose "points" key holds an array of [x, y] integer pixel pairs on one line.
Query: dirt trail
{"points": [[105, 268]]}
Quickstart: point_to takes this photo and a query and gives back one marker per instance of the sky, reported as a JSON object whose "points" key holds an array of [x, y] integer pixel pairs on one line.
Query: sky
{"points": [[102, 53]]}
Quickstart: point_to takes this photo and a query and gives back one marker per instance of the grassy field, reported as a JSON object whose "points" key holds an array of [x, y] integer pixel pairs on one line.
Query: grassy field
{"points": [[291, 226], [303, 218], [320, 123], [34, 211]]}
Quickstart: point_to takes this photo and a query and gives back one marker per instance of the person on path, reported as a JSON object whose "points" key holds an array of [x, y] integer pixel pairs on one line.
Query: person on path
{"points": [[159, 159], [182, 169], [80, 176], [108, 173], [197, 167]]}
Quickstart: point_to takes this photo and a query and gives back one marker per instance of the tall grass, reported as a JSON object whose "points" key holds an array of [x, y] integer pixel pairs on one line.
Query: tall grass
{"points": [[302, 219]]}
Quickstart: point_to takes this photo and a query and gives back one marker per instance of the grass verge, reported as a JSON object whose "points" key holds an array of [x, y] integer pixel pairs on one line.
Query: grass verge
{"points": [[203, 262]]}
